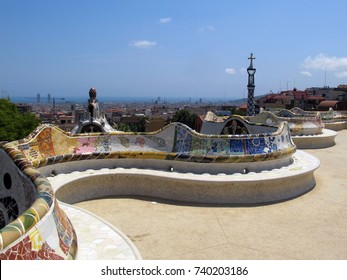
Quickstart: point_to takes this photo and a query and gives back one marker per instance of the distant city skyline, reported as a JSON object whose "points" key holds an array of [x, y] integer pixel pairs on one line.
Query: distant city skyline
{"points": [[169, 49]]}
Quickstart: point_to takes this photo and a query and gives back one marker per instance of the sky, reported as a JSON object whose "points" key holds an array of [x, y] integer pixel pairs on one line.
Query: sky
{"points": [[169, 49]]}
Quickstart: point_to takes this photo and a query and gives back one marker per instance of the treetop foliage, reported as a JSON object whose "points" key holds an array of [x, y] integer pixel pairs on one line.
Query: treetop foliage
{"points": [[13, 125], [184, 116]]}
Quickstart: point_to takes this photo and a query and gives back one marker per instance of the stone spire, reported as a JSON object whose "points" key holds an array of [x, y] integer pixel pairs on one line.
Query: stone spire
{"points": [[95, 121]]}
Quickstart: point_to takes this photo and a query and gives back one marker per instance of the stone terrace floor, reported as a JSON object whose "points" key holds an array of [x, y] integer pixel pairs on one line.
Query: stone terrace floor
{"points": [[312, 226]]}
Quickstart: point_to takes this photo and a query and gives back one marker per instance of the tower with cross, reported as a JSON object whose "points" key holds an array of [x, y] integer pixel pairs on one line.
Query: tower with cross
{"points": [[250, 101]]}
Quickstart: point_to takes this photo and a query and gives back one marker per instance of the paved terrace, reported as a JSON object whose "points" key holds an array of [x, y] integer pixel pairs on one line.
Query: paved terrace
{"points": [[312, 226]]}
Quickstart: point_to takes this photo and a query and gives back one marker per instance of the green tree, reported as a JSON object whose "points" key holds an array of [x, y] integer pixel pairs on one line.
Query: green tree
{"points": [[13, 125], [133, 127], [237, 111], [184, 116], [123, 127]]}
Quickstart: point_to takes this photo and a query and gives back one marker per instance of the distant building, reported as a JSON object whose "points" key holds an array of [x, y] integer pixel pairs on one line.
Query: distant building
{"points": [[114, 115], [131, 120], [66, 122], [330, 93], [23, 108], [80, 114], [289, 99], [312, 102], [326, 105], [154, 124]]}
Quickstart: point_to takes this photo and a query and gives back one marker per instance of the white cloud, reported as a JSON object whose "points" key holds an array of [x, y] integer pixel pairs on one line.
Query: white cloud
{"points": [[165, 20], [342, 74], [324, 62], [142, 44], [209, 28], [230, 71], [306, 73]]}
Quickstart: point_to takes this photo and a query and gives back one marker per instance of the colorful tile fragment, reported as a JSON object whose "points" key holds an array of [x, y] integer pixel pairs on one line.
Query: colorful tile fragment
{"points": [[44, 231]]}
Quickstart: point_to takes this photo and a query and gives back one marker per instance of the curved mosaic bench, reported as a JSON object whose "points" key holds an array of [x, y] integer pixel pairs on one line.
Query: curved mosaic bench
{"points": [[174, 163], [234, 125], [299, 126], [32, 224], [333, 120], [174, 147], [307, 132]]}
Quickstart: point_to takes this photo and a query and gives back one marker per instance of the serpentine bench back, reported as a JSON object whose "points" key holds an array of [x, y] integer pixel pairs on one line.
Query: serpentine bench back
{"points": [[50, 145]]}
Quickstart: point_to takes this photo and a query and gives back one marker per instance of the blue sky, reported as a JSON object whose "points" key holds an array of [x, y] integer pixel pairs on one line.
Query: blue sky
{"points": [[171, 49]]}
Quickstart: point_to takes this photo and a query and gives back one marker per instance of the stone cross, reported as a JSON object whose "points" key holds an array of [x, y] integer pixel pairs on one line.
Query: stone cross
{"points": [[251, 59]]}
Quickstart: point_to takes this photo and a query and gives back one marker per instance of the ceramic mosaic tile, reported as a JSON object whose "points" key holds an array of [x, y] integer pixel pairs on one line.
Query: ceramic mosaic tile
{"points": [[29, 234], [44, 231], [299, 125], [176, 138]]}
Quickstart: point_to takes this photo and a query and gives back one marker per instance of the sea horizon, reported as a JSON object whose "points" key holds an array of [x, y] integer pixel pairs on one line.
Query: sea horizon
{"points": [[129, 99]]}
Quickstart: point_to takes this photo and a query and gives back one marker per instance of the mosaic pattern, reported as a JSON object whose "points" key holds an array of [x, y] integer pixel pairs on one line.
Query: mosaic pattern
{"points": [[325, 115], [298, 125], [211, 117], [286, 114], [9, 210], [235, 125], [97, 240], [53, 239], [174, 142], [43, 231]]}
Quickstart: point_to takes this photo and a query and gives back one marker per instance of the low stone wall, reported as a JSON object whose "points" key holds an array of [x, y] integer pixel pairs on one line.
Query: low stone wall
{"points": [[324, 140], [335, 125], [268, 186]]}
